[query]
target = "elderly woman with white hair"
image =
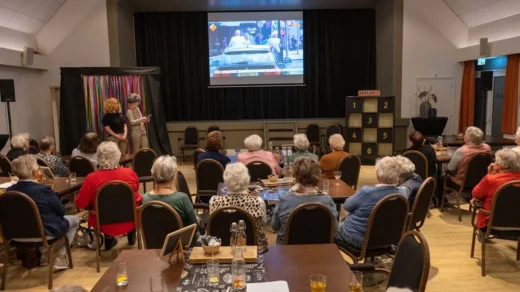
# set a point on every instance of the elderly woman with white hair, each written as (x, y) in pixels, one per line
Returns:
(302, 148)
(329, 162)
(254, 152)
(108, 155)
(352, 230)
(409, 180)
(505, 169)
(236, 178)
(19, 146)
(307, 175)
(137, 123)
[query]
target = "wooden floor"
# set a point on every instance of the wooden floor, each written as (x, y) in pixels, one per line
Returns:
(451, 267)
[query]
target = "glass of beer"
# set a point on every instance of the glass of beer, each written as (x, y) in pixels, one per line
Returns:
(156, 283)
(121, 275)
(356, 282)
(318, 283)
(213, 272)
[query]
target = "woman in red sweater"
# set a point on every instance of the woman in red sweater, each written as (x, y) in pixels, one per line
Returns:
(108, 156)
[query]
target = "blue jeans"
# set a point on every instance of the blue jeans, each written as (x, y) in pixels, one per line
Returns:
(339, 236)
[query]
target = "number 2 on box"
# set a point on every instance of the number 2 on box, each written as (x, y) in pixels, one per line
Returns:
(385, 105)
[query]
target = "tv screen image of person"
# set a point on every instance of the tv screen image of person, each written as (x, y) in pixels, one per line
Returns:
(255, 48)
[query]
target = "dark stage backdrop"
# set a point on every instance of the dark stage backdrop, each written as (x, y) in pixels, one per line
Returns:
(339, 60)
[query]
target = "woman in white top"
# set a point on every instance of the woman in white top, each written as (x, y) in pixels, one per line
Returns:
(88, 147)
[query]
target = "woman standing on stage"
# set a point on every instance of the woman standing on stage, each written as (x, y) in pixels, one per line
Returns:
(137, 123)
(114, 124)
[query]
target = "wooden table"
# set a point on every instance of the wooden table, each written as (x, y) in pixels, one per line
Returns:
(125, 159)
(59, 185)
(491, 141)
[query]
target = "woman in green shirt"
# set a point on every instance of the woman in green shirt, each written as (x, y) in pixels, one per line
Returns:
(302, 148)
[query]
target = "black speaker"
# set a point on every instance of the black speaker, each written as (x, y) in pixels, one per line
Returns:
(7, 90)
(486, 80)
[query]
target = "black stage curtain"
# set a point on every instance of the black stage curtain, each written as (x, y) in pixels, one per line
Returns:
(339, 60)
(72, 106)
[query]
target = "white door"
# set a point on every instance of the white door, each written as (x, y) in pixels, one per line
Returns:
(443, 88)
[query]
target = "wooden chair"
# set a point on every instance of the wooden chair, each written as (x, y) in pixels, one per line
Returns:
(115, 203)
(258, 170)
(385, 227)
(5, 166)
(421, 204)
(196, 154)
(477, 168)
(157, 220)
(503, 221)
(209, 173)
(220, 221)
(191, 141)
(20, 218)
(310, 223)
(142, 165)
(81, 166)
(350, 167)
(420, 161)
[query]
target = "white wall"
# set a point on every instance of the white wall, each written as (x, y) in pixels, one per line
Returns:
(15, 40)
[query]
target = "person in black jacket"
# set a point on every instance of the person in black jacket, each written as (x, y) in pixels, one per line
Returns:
(418, 143)
(52, 212)
(19, 146)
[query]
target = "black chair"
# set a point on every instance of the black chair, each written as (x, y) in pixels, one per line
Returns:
(5, 166)
(158, 219)
(41, 162)
(33, 150)
(220, 221)
(331, 130)
(81, 166)
(142, 164)
(504, 221)
(196, 154)
(420, 161)
(35, 144)
(310, 223)
(213, 128)
(350, 167)
(477, 168)
(20, 218)
(209, 173)
(115, 203)
(313, 135)
(191, 141)
(259, 170)
(385, 227)
(182, 186)
(421, 204)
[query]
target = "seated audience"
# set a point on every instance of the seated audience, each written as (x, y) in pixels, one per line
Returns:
(236, 178)
(254, 152)
(505, 169)
(163, 173)
(517, 141)
(108, 155)
(19, 146)
(352, 230)
(88, 147)
(52, 212)
(409, 180)
(329, 162)
(307, 175)
(213, 145)
(302, 148)
(54, 162)
(418, 143)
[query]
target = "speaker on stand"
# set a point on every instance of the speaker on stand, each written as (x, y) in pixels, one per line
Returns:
(7, 95)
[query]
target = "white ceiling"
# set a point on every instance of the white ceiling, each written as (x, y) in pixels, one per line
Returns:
(477, 12)
(28, 16)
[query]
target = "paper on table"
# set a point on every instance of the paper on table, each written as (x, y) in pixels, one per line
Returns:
(278, 286)
(6, 185)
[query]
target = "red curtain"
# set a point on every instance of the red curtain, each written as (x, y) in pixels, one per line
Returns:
(509, 112)
(467, 97)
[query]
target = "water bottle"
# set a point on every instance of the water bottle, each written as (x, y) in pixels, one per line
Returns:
(242, 238)
(233, 239)
(238, 271)
(270, 147)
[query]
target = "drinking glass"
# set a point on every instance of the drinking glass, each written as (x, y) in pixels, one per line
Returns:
(14, 178)
(356, 282)
(318, 283)
(156, 283)
(337, 175)
(325, 186)
(72, 177)
(213, 272)
(121, 275)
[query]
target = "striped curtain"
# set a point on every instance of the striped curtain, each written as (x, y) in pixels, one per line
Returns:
(97, 89)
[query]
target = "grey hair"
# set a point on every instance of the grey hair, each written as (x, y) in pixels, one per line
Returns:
(19, 140)
(337, 142)
(108, 154)
(301, 142)
(236, 177)
(508, 159)
(24, 166)
(69, 289)
(253, 143)
(388, 170)
(164, 169)
(474, 135)
(133, 98)
(407, 167)
(307, 171)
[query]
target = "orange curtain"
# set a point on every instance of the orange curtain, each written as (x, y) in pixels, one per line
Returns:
(467, 97)
(510, 95)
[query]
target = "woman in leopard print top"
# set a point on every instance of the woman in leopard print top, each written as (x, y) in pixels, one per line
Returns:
(236, 178)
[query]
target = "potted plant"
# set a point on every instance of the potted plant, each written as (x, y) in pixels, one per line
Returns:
(425, 96)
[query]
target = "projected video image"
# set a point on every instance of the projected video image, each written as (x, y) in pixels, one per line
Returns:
(255, 48)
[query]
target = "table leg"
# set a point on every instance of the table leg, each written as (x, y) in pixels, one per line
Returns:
(440, 184)
(338, 208)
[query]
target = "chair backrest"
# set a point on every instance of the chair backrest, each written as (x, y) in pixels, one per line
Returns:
(196, 154)
(310, 223)
(20, 217)
(350, 166)
(421, 204)
(209, 173)
(420, 161)
(81, 166)
(504, 212)
(5, 165)
(411, 264)
(158, 219)
(313, 133)
(33, 150)
(181, 184)
(41, 162)
(259, 170)
(143, 161)
(191, 136)
(386, 223)
(476, 169)
(115, 203)
(220, 220)
(331, 130)
(213, 128)
(35, 144)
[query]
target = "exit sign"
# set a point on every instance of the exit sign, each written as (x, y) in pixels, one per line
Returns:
(481, 61)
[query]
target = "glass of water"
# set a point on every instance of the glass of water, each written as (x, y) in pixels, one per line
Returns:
(72, 177)
(121, 275)
(337, 175)
(213, 272)
(156, 283)
(325, 186)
